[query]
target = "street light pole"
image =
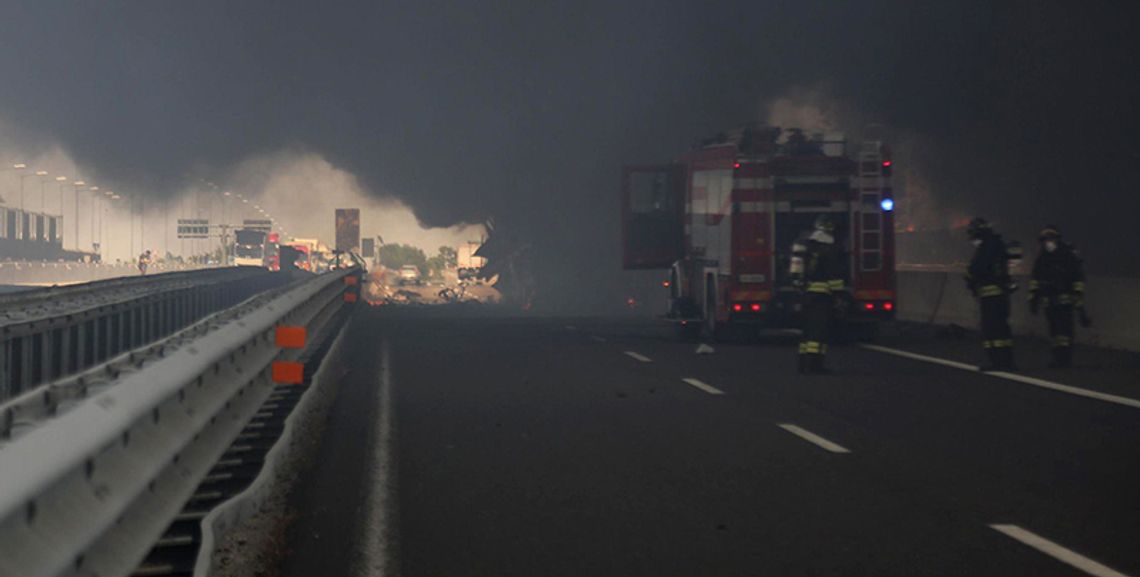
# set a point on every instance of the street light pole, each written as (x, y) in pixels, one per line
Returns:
(43, 178)
(131, 220)
(111, 230)
(59, 225)
(27, 224)
(75, 187)
(109, 195)
(21, 167)
(94, 207)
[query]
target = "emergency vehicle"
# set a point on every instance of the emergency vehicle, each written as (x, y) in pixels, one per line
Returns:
(724, 216)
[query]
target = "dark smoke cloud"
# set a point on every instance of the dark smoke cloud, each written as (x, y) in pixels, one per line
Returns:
(525, 111)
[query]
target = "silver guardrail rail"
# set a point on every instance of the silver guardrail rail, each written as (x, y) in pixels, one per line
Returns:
(46, 334)
(95, 467)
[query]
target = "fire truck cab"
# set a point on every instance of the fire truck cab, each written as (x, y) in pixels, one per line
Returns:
(723, 218)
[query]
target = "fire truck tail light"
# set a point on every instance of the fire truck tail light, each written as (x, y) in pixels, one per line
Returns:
(736, 165)
(886, 163)
(869, 306)
(737, 307)
(756, 307)
(888, 306)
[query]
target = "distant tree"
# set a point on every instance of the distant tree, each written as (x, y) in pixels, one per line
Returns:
(435, 266)
(397, 255)
(449, 255)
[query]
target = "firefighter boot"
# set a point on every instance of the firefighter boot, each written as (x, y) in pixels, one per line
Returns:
(1006, 354)
(804, 363)
(1062, 358)
(994, 358)
(818, 365)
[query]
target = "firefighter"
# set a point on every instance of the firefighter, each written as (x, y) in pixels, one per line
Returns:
(816, 269)
(988, 278)
(1058, 284)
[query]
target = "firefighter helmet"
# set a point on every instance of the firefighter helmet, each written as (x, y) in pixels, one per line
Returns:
(1050, 232)
(978, 228)
(824, 223)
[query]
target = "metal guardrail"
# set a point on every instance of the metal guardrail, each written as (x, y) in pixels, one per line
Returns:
(55, 272)
(62, 291)
(47, 334)
(89, 483)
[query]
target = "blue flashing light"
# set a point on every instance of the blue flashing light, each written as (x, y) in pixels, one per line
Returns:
(888, 204)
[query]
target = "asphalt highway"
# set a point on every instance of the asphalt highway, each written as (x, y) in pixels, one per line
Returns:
(479, 445)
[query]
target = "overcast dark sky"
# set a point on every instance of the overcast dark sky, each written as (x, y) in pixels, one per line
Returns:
(525, 110)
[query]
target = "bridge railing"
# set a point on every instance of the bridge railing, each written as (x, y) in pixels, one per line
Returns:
(90, 478)
(46, 334)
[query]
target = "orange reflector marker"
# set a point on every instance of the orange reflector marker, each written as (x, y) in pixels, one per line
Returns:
(288, 372)
(349, 297)
(351, 280)
(291, 337)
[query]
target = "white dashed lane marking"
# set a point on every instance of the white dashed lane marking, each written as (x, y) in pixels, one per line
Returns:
(813, 438)
(703, 386)
(1058, 552)
(638, 356)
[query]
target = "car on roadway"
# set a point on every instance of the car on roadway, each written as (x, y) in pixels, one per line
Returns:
(410, 274)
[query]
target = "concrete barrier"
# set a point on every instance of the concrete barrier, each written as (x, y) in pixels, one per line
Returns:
(940, 297)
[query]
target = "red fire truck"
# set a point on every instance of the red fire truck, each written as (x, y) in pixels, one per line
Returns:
(724, 216)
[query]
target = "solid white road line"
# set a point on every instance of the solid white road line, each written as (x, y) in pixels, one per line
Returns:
(918, 357)
(1089, 394)
(1057, 551)
(639, 357)
(598, 339)
(703, 386)
(1126, 401)
(813, 438)
(571, 328)
(375, 559)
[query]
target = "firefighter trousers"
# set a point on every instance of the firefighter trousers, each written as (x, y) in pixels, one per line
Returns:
(1061, 330)
(817, 311)
(997, 337)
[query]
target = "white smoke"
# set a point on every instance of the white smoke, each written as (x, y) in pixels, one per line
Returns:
(302, 190)
(807, 109)
(21, 188)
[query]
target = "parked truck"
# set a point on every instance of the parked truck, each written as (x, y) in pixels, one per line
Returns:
(250, 247)
(722, 219)
(468, 265)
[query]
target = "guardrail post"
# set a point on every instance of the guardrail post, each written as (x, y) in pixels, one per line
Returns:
(115, 333)
(5, 368)
(106, 341)
(147, 310)
(75, 344)
(25, 375)
(153, 320)
(137, 326)
(42, 351)
(90, 342)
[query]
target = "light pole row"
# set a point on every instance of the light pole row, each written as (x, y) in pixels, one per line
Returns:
(99, 204)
